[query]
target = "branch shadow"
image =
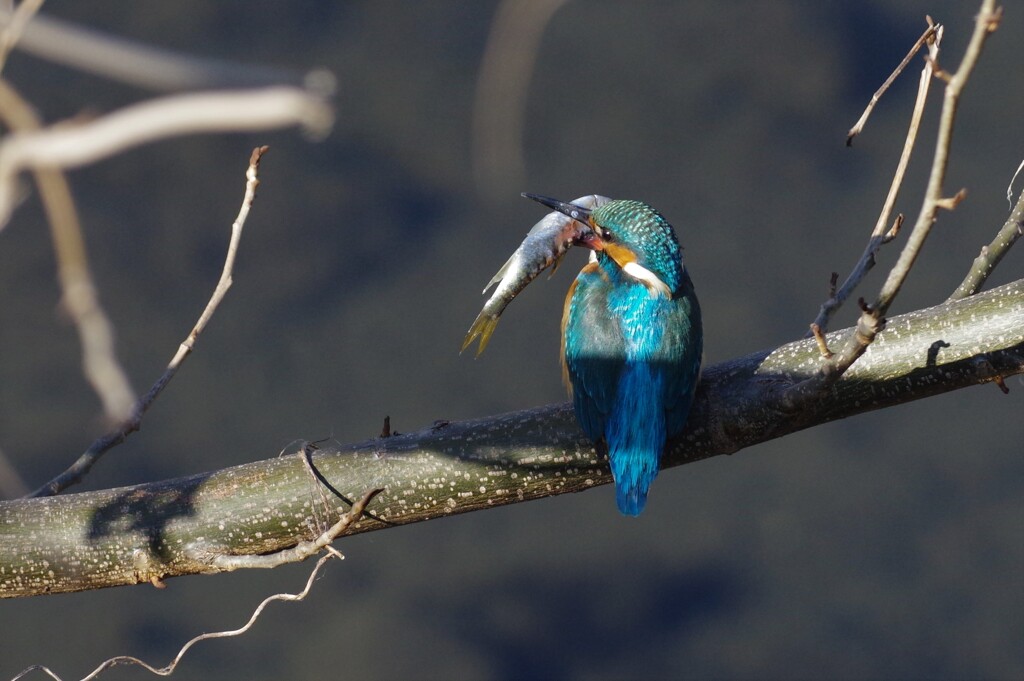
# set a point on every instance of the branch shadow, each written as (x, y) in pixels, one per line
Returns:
(147, 510)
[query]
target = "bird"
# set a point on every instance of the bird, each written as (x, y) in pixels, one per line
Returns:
(632, 340)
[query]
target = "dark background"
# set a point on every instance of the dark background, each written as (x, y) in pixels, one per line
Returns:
(890, 545)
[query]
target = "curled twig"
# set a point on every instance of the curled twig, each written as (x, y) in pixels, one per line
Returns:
(299, 553)
(1009, 187)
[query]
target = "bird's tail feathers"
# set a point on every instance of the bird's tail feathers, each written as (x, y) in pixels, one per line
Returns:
(631, 499)
(634, 470)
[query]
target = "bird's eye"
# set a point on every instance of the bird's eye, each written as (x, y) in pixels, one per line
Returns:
(606, 235)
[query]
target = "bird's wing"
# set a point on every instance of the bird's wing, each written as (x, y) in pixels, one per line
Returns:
(684, 340)
(592, 350)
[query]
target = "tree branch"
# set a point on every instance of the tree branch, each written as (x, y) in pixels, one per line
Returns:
(872, 319)
(186, 526)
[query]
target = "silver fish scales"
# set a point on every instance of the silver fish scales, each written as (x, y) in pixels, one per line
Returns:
(544, 245)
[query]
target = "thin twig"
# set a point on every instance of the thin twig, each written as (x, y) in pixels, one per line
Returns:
(307, 457)
(1009, 187)
(288, 556)
(872, 319)
(987, 22)
(991, 254)
(71, 145)
(79, 298)
(858, 127)
(306, 452)
(879, 235)
(80, 468)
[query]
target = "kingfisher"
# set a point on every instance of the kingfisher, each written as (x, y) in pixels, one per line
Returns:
(632, 339)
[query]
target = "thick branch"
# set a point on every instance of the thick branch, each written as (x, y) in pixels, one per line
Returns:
(183, 526)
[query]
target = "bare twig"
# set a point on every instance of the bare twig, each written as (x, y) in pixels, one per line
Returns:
(872, 319)
(117, 58)
(879, 235)
(14, 25)
(85, 462)
(926, 37)
(301, 552)
(99, 361)
(991, 254)
(1009, 187)
(70, 146)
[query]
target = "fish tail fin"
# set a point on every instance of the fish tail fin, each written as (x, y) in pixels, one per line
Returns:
(483, 326)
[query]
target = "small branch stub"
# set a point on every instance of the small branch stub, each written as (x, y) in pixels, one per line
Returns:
(819, 337)
(952, 202)
(894, 230)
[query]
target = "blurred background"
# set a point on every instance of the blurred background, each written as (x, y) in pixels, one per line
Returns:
(890, 545)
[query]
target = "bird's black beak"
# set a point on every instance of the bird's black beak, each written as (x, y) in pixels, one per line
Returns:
(578, 213)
